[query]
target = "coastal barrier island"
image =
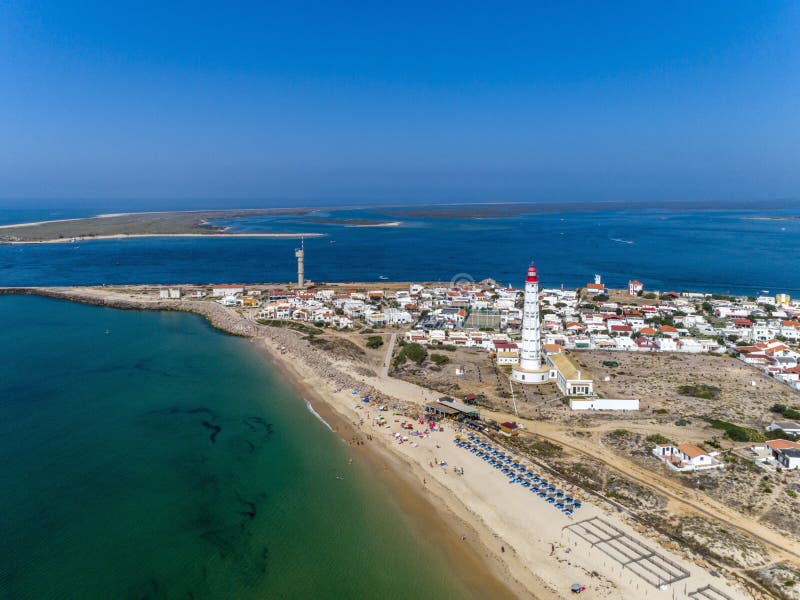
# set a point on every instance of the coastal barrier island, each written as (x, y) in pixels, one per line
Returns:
(148, 224)
(701, 530)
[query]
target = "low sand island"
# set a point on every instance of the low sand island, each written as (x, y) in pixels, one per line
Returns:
(150, 224)
(503, 539)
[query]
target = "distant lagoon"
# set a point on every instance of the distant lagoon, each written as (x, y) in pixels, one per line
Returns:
(668, 248)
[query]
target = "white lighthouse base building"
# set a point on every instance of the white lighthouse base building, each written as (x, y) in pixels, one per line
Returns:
(540, 375)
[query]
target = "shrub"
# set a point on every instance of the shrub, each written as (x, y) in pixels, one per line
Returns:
(657, 438)
(700, 390)
(737, 433)
(440, 359)
(374, 341)
(411, 351)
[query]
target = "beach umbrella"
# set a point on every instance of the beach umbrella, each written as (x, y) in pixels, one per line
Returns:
(576, 588)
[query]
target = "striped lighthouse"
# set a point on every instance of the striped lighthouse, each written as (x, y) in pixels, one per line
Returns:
(530, 368)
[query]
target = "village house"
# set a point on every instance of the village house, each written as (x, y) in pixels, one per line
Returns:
(635, 287)
(506, 353)
(787, 453)
(686, 457)
(220, 291)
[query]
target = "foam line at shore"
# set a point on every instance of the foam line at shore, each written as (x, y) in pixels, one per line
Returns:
(316, 414)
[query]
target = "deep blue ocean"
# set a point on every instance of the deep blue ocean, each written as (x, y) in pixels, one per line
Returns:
(668, 248)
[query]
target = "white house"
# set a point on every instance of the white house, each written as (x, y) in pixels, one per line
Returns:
(686, 457)
(220, 291)
(790, 427)
(785, 452)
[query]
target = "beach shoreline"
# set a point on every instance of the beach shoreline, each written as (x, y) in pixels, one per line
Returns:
(519, 541)
(426, 508)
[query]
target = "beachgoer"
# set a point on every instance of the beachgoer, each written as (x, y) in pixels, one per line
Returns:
(502, 548)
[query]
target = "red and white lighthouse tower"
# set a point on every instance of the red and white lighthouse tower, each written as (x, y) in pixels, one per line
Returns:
(530, 368)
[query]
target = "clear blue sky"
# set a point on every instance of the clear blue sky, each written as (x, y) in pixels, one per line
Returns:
(400, 101)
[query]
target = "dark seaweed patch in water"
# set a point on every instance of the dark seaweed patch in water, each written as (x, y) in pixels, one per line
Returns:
(250, 507)
(177, 410)
(215, 429)
(219, 541)
(264, 559)
(258, 424)
(149, 590)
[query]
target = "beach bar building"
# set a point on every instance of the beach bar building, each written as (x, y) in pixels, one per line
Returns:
(449, 407)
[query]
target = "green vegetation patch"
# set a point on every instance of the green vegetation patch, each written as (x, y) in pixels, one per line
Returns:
(737, 433)
(413, 352)
(657, 438)
(440, 359)
(374, 341)
(788, 412)
(700, 390)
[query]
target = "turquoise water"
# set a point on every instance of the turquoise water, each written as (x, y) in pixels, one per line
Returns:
(163, 460)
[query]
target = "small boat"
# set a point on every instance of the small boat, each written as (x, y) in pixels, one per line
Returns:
(383, 277)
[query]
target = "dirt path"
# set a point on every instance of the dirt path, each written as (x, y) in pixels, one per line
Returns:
(681, 497)
(388, 360)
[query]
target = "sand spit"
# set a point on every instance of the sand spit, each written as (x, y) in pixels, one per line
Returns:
(514, 542)
(118, 236)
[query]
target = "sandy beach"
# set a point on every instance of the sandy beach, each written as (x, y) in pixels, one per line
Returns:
(515, 542)
(521, 537)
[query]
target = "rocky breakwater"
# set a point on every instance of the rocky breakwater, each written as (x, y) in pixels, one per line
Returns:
(216, 314)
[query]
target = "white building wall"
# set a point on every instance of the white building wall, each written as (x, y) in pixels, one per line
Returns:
(604, 404)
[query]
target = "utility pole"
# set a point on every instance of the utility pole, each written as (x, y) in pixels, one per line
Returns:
(513, 400)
